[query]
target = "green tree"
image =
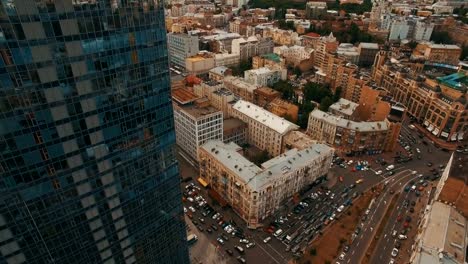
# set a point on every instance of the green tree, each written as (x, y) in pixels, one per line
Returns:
(337, 94)
(315, 92)
(441, 37)
(464, 53)
(325, 103)
(260, 158)
(304, 110)
(285, 88)
(313, 251)
(297, 71)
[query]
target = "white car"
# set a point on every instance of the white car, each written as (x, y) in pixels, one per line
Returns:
(190, 199)
(414, 172)
(332, 217)
(392, 261)
(378, 172)
(245, 241)
(250, 245)
(341, 257)
(340, 209)
(220, 240)
(192, 209)
(266, 240)
(418, 151)
(185, 210)
(394, 252)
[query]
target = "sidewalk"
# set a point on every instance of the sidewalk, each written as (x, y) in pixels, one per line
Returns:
(440, 142)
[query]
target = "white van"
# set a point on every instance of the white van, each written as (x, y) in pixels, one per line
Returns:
(278, 232)
(402, 237)
(390, 167)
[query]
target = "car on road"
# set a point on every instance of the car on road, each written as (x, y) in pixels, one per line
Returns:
(402, 237)
(390, 167)
(346, 248)
(239, 249)
(250, 245)
(359, 181)
(266, 240)
(340, 178)
(192, 209)
(392, 261)
(394, 252)
(230, 252)
(378, 172)
(241, 259)
(220, 241)
(429, 164)
(244, 241)
(342, 256)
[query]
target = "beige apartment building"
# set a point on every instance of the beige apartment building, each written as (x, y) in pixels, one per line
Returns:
(352, 136)
(254, 192)
(265, 129)
(439, 104)
(240, 87)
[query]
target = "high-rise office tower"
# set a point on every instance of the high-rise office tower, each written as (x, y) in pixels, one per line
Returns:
(87, 168)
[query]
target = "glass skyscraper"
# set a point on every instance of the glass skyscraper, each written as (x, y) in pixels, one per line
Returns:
(88, 172)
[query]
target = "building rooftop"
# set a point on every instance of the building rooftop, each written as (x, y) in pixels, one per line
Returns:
(223, 92)
(443, 239)
(198, 111)
(342, 122)
(312, 35)
(259, 178)
(265, 117)
(183, 96)
(220, 70)
(262, 70)
(367, 45)
(298, 139)
(457, 81)
(443, 46)
(272, 56)
(240, 83)
(344, 106)
(267, 91)
(455, 190)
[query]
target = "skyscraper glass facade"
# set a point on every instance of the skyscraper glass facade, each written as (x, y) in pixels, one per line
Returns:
(87, 166)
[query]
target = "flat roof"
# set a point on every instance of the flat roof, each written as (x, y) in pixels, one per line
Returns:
(240, 83)
(344, 106)
(198, 111)
(265, 117)
(455, 189)
(298, 139)
(259, 178)
(367, 45)
(456, 80)
(220, 70)
(345, 123)
(443, 235)
(183, 96)
(272, 56)
(444, 46)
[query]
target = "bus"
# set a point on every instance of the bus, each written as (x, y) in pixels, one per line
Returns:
(191, 239)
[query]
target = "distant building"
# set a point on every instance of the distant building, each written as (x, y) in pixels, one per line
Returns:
(410, 28)
(240, 87)
(195, 121)
(250, 47)
(200, 63)
(315, 10)
(442, 54)
(270, 60)
(294, 55)
(281, 36)
(367, 52)
(254, 192)
(262, 76)
(181, 46)
(343, 108)
(349, 52)
(219, 73)
(265, 129)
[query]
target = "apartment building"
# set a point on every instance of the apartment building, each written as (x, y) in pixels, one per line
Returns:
(343, 108)
(254, 192)
(262, 76)
(325, 45)
(265, 129)
(270, 60)
(252, 46)
(316, 10)
(195, 121)
(439, 104)
(283, 109)
(297, 140)
(410, 28)
(219, 73)
(281, 36)
(349, 52)
(294, 55)
(349, 136)
(367, 52)
(442, 54)
(200, 64)
(264, 95)
(240, 87)
(181, 46)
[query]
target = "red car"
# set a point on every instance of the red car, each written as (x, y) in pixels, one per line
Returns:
(341, 178)
(399, 218)
(406, 224)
